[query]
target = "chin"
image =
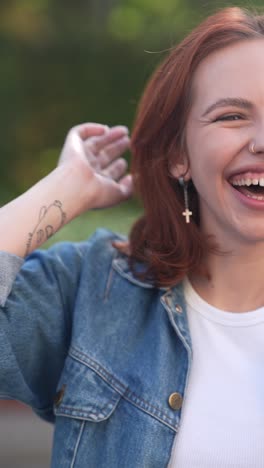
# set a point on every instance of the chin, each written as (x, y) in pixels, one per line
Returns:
(253, 236)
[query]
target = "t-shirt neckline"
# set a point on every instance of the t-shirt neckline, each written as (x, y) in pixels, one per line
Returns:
(214, 314)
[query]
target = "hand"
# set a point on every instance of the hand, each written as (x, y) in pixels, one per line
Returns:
(96, 149)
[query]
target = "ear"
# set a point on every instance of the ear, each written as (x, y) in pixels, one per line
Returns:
(181, 170)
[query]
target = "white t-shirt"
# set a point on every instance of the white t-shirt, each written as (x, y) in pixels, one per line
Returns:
(222, 424)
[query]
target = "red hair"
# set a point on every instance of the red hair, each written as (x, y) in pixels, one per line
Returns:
(161, 239)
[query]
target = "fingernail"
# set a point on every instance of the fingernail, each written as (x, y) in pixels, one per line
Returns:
(124, 128)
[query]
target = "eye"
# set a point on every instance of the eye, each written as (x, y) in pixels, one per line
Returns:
(229, 118)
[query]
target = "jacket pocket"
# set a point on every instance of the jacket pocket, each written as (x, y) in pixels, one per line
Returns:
(84, 394)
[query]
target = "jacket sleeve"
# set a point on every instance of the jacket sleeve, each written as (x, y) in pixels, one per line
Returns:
(37, 298)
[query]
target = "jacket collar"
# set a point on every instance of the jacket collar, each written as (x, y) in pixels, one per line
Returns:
(173, 298)
(121, 265)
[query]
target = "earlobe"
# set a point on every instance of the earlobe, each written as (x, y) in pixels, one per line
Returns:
(180, 167)
(181, 170)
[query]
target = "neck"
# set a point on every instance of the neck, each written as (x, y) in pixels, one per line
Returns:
(236, 280)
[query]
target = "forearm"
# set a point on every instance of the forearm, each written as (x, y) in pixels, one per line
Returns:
(29, 220)
(90, 174)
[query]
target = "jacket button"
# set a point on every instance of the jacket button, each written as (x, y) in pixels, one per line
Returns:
(175, 401)
(59, 396)
(178, 308)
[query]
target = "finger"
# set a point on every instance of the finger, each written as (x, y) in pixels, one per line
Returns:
(126, 185)
(97, 144)
(115, 192)
(116, 169)
(113, 151)
(88, 130)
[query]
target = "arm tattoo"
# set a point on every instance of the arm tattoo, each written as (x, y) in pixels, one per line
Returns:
(43, 231)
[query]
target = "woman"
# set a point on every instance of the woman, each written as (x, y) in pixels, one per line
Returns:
(150, 353)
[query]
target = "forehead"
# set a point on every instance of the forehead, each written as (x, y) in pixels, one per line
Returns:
(237, 70)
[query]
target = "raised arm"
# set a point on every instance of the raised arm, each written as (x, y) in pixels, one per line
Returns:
(90, 174)
(37, 304)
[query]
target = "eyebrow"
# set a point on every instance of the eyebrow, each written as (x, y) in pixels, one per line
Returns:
(235, 102)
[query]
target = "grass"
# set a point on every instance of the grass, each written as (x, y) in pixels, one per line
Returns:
(118, 219)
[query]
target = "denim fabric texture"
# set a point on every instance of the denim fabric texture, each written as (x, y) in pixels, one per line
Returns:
(97, 352)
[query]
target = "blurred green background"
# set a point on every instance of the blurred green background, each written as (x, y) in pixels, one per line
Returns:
(65, 62)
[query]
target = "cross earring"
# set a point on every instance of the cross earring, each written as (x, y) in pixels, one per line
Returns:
(187, 213)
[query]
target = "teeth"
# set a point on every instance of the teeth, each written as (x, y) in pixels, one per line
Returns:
(248, 182)
(256, 197)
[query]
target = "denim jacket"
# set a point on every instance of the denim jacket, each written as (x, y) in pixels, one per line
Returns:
(96, 351)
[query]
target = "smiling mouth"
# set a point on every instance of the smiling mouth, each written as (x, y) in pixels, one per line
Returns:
(252, 187)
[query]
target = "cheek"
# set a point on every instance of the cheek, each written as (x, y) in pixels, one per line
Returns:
(211, 152)
(205, 160)
(207, 165)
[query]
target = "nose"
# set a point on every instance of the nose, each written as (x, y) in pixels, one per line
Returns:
(256, 145)
(256, 148)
